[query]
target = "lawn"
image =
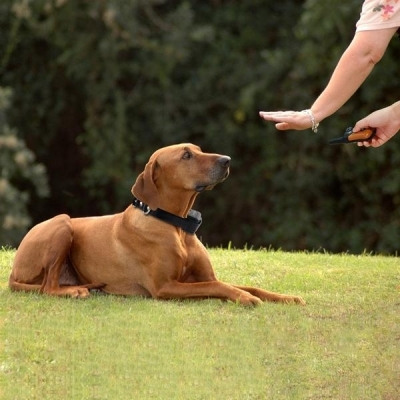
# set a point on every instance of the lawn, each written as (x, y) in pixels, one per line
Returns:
(344, 344)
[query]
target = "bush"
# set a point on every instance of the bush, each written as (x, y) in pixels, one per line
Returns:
(20, 176)
(98, 86)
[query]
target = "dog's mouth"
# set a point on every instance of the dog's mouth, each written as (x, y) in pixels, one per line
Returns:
(217, 174)
(209, 186)
(201, 188)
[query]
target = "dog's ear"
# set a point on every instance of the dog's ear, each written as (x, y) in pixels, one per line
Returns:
(145, 188)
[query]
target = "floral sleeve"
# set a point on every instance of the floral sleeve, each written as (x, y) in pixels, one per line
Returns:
(379, 14)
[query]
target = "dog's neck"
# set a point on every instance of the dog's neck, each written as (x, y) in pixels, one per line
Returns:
(181, 207)
(189, 224)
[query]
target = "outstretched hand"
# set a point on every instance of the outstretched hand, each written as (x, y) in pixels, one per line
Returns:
(285, 120)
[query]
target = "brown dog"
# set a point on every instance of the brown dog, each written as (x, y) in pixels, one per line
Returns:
(139, 251)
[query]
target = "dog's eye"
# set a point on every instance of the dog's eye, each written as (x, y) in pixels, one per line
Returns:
(187, 155)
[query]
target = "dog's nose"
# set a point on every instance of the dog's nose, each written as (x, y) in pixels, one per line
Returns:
(224, 161)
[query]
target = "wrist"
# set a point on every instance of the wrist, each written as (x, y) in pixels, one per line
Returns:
(396, 113)
(396, 110)
(314, 122)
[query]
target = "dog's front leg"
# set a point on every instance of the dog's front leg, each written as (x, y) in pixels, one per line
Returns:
(212, 289)
(272, 296)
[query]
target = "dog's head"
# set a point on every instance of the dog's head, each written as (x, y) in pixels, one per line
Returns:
(179, 170)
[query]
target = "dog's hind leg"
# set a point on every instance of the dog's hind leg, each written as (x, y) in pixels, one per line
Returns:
(41, 256)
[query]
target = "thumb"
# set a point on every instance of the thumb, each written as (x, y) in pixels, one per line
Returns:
(282, 126)
(361, 124)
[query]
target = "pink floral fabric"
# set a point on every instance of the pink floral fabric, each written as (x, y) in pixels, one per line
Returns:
(379, 14)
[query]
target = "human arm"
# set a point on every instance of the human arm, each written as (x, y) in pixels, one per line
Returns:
(356, 63)
(387, 124)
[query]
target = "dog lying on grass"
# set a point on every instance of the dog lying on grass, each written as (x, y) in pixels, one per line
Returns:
(149, 250)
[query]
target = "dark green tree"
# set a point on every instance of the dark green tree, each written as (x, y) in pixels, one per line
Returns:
(98, 86)
(20, 177)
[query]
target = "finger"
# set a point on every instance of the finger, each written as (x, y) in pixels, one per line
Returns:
(276, 115)
(270, 116)
(376, 142)
(282, 126)
(262, 113)
(362, 124)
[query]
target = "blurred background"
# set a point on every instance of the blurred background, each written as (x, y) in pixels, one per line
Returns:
(89, 89)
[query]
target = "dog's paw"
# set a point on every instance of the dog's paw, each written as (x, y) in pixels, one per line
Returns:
(249, 300)
(76, 292)
(79, 293)
(294, 300)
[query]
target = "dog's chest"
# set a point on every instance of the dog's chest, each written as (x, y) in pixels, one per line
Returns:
(186, 268)
(186, 275)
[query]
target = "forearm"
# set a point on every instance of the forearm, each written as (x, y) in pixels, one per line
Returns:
(348, 76)
(356, 63)
(395, 108)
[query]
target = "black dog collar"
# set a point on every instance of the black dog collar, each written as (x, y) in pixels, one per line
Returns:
(190, 224)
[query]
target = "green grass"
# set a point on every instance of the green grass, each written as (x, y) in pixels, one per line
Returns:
(345, 344)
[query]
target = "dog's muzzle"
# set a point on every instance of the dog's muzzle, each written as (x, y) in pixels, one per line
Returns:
(217, 174)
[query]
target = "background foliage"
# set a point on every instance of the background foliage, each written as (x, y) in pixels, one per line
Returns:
(20, 178)
(98, 86)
